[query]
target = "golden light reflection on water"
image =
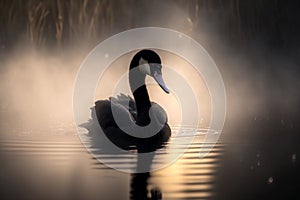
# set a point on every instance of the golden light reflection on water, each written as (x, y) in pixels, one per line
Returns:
(190, 176)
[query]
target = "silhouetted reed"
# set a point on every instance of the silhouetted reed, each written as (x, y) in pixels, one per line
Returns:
(60, 23)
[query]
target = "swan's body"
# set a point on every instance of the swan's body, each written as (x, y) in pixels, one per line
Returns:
(136, 111)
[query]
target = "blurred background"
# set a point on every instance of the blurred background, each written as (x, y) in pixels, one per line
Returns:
(254, 43)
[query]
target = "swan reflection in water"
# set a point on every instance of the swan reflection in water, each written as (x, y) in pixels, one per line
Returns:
(99, 147)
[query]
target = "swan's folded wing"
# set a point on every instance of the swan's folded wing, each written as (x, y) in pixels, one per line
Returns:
(126, 101)
(104, 111)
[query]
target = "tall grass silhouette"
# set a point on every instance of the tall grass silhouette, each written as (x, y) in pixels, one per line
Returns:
(60, 23)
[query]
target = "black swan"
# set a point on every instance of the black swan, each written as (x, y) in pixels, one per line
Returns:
(140, 111)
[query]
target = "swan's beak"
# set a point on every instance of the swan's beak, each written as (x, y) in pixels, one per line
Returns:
(158, 77)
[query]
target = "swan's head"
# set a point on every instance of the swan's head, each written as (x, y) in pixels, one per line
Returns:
(149, 63)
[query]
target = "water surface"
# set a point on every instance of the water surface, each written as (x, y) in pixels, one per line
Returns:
(59, 167)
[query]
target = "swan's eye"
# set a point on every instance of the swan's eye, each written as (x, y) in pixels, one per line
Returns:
(155, 67)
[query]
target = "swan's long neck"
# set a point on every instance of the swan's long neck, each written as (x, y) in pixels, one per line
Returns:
(141, 97)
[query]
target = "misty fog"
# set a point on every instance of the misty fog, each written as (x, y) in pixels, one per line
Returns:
(37, 83)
